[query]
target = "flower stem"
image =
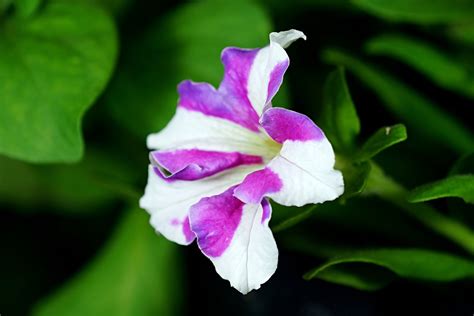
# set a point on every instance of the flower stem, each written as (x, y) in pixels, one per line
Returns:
(388, 189)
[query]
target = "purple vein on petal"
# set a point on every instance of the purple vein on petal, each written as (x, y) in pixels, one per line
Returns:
(195, 164)
(214, 220)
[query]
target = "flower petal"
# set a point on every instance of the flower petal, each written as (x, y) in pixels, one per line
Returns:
(194, 164)
(259, 82)
(306, 170)
(168, 201)
(257, 185)
(223, 103)
(282, 124)
(251, 78)
(303, 172)
(237, 239)
(195, 130)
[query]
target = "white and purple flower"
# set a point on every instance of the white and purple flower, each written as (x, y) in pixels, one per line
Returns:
(225, 153)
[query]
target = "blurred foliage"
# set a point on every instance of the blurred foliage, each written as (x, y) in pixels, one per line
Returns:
(408, 263)
(461, 186)
(390, 82)
(125, 278)
(188, 46)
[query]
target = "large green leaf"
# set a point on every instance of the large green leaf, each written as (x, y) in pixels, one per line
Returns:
(461, 186)
(416, 264)
(421, 11)
(442, 69)
(52, 68)
(184, 45)
(409, 105)
(380, 140)
(136, 273)
(339, 117)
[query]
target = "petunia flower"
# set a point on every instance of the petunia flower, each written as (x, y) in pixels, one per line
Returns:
(225, 153)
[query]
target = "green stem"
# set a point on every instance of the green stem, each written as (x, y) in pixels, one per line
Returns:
(388, 189)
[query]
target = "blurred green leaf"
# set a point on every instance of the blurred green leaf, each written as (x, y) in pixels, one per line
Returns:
(457, 207)
(355, 176)
(463, 32)
(52, 68)
(81, 188)
(25, 8)
(136, 273)
(463, 165)
(385, 187)
(184, 45)
(444, 70)
(421, 11)
(361, 216)
(380, 140)
(115, 7)
(339, 117)
(416, 264)
(284, 217)
(361, 276)
(408, 104)
(461, 186)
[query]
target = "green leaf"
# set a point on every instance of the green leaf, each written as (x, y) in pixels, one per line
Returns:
(52, 68)
(339, 118)
(463, 165)
(421, 11)
(444, 70)
(461, 186)
(117, 8)
(408, 104)
(355, 175)
(381, 140)
(25, 8)
(185, 45)
(361, 276)
(416, 264)
(284, 217)
(463, 32)
(136, 273)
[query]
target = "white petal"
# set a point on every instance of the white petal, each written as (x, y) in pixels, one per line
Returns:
(236, 238)
(168, 201)
(285, 38)
(266, 73)
(306, 171)
(191, 129)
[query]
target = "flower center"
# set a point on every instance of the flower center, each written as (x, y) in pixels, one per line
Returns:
(270, 148)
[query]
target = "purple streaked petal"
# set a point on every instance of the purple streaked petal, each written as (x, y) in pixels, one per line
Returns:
(224, 103)
(236, 238)
(282, 125)
(214, 220)
(169, 201)
(193, 164)
(267, 210)
(251, 78)
(187, 232)
(276, 78)
(257, 185)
